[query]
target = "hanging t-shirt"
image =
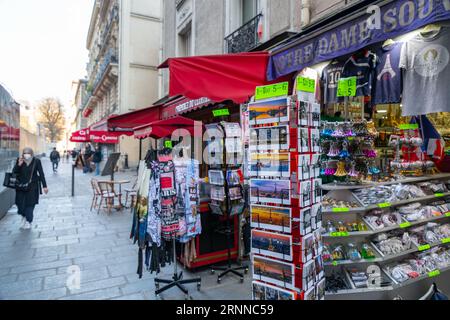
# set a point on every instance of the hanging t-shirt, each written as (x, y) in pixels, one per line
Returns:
(330, 78)
(388, 81)
(361, 66)
(426, 74)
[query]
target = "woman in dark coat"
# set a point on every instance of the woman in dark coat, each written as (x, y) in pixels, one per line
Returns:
(28, 166)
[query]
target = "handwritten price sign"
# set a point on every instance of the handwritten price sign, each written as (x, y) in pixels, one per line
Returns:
(272, 91)
(347, 87)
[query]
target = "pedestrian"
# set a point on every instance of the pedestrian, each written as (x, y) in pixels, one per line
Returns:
(29, 171)
(67, 156)
(96, 159)
(54, 158)
(87, 158)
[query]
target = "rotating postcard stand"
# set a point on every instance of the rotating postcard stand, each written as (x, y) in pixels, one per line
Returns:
(228, 209)
(177, 278)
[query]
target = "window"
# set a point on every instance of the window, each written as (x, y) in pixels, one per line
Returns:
(185, 42)
(249, 10)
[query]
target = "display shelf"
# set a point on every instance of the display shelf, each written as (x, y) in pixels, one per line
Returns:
(397, 285)
(333, 186)
(347, 234)
(359, 291)
(348, 262)
(392, 204)
(410, 224)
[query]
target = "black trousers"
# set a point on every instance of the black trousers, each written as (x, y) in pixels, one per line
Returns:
(27, 212)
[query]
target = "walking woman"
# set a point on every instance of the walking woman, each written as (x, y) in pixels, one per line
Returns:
(28, 168)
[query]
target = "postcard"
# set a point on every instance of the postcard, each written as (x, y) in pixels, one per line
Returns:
(217, 193)
(269, 138)
(320, 290)
(305, 190)
(216, 177)
(233, 145)
(303, 113)
(270, 165)
(270, 191)
(315, 115)
(271, 218)
(264, 291)
(272, 244)
(237, 208)
(315, 140)
(318, 263)
(315, 166)
(317, 190)
(308, 275)
(303, 140)
(304, 167)
(310, 294)
(274, 272)
(305, 221)
(316, 221)
(269, 111)
(235, 193)
(233, 177)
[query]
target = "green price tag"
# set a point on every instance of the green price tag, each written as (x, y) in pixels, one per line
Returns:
(334, 263)
(168, 144)
(347, 87)
(384, 205)
(424, 247)
(408, 126)
(272, 91)
(339, 234)
(221, 112)
(405, 225)
(306, 84)
(445, 240)
(341, 209)
(438, 195)
(434, 273)
(447, 214)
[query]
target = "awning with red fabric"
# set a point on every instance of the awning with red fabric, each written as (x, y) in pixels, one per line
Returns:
(103, 128)
(218, 77)
(81, 136)
(128, 121)
(9, 133)
(165, 128)
(183, 105)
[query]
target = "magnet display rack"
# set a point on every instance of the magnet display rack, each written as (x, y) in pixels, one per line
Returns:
(285, 196)
(223, 177)
(409, 289)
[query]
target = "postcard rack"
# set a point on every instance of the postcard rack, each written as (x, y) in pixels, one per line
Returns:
(225, 177)
(285, 200)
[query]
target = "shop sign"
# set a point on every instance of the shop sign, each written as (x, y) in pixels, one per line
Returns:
(105, 139)
(347, 87)
(191, 104)
(377, 25)
(272, 91)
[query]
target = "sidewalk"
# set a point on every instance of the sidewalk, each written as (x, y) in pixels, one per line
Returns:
(36, 264)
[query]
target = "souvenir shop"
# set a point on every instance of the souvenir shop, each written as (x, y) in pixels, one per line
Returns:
(350, 182)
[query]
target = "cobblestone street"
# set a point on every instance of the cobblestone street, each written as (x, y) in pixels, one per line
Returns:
(34, 264)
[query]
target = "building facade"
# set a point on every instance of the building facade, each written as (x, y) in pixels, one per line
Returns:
(124, 44)
(203, 27)
(32, 133)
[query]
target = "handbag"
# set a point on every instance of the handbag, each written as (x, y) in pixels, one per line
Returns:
(10, 180)
(25, 187)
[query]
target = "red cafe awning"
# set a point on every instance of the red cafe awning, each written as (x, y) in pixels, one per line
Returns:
(165, 128)
(217, 77)
(80, 136)
(128, 121)
(183, 105)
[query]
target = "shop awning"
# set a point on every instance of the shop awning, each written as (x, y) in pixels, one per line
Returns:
(165, 128)
(128, 121)
(81, 136)
(217, 77)
(183, 105)
(9, 133)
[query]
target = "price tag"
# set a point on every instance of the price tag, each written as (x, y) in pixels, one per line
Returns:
(272, 91)
(221, 112)
(384, 205)
(339, 234)
(405, 225)
(408, 126)
(434, 273)
(341, 209)
(445, 240)
(424, 247)
(447, 214)
(347, 87)
(168, 144)
(334, 263)
(306, 84)
(438, 195)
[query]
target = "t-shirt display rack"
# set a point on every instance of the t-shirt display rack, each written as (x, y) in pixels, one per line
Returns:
(224, 175)
(285, 196)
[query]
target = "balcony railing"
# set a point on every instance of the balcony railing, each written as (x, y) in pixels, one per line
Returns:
(245, 38)
(109, 58)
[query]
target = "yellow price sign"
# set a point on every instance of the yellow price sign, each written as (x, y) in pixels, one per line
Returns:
(272, 91)
(347, 87)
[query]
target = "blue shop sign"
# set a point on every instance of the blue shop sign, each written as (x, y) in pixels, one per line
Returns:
(381, 23)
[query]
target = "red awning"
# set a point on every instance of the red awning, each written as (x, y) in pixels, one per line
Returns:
(129, 121)
(165, 128)
(183, 105)
(81, 136)
(9, 133)
(218, 77)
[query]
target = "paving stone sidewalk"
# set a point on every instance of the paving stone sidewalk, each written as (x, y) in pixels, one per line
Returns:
(37, 263)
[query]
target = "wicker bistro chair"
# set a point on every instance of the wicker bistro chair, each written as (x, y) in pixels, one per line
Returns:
(131, 193)
(106, 193)
(96, 193)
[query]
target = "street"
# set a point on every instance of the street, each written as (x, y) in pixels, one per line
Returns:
(66, 236)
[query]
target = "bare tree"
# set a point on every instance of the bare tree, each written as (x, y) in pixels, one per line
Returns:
(51, 116)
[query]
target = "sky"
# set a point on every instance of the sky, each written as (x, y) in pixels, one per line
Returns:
(43, 47)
